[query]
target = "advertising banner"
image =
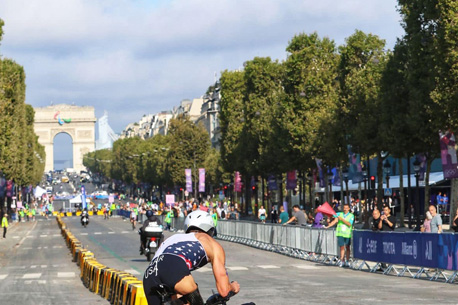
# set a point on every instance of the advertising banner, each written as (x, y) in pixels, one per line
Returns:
(202, 180)
(2, 187)
(319, 165)
(291, 180)
(9, 188)
(448, 154)
(187, 173)
(410, 248)
(336, 181)
(272, 183)
(355, 171)
(170, 199)
(83, 197)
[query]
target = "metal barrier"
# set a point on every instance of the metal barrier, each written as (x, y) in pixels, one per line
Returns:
(298, 241)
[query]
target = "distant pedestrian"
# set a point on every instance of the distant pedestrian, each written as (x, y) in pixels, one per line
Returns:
(344, 221)
(387, 221)
(436, 222)
(299, 216)
(262, 214)
(5, 224)
(283, 215)
(426, 227)
(375, 220)
(273, 215)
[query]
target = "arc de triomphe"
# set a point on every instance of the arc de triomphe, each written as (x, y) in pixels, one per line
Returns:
(78, 122)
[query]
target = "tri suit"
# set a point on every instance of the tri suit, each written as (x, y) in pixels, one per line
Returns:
(176, 258)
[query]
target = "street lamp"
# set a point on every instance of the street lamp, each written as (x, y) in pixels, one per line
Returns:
(345, 176)
(416, 168)
(387, 171)
(309, 179)
(330, 176)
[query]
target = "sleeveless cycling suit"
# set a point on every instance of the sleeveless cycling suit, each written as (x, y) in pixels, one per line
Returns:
(176, 258)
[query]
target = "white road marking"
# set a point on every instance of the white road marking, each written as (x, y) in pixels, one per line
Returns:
(45, 247)
(111, 232)
(98, 233)
(132, 271)
(57, 247)
(84, 233)
(237, 268)
(31, 276)
(43, 235)
(39, 248)
(29, 237)
(124, 232)
(65, 274)
(42, 282)
(56, 235)
(26, 248)
(268, 267)
(44, 266)
(33, 267)
(3, 276)
(55, 266)
(16, 237)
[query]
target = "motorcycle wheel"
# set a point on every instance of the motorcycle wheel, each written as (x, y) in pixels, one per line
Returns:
(149, 256)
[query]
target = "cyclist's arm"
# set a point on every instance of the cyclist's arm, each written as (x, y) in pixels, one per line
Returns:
(219, 271)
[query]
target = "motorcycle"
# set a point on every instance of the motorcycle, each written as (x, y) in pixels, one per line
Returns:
(84, 220)
(154, 238)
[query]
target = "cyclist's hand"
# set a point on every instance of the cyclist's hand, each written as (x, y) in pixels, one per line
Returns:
(235, 287)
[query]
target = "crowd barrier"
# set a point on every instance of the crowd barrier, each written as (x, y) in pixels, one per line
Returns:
(116, 286)
(427, 251)
(297, 241)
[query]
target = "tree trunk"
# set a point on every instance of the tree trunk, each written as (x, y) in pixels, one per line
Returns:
(401, 192)
(380, 181)
(429, 161)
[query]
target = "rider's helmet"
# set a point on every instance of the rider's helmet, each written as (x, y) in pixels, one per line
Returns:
(199, 220)
(149, 213)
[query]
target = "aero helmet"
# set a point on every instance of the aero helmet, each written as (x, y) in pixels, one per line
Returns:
(199, 220)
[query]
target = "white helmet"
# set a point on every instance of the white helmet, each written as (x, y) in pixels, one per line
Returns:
(199, 220)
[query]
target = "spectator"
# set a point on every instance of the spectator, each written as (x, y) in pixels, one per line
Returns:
(387, 221)
(375, 221)
(344, 221)
(436, 222)
(439, 198)
(299, 216)
(273, 215)
(426, 227)
(262, 214)
(455, 221)
(233, 214)
(283, 215)
(317, 220)
(5, 224)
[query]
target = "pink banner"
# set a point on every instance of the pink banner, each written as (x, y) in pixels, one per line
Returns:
(202, 180)
(187, 173)
(291, 180)
(238, 182)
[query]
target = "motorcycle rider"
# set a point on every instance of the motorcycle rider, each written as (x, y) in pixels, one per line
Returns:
(154, 220)
(182, 253)
(84, 214)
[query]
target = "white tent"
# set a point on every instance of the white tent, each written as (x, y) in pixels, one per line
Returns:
(39, 191)
(77, 199)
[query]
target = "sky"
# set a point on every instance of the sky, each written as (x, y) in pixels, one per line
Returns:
(136, 57)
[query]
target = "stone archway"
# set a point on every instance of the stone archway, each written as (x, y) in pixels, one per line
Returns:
(78, 122)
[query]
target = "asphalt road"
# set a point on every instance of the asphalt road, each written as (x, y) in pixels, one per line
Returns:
(265, 277)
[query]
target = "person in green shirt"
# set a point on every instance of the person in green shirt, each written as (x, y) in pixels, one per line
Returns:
(284, 217)
(344, 221)
(168, 219)
(5, 224)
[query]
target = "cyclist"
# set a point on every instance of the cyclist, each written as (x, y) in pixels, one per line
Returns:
(171, 267)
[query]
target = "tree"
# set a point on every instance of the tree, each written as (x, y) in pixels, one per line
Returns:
(362, 62)
(189, 146)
